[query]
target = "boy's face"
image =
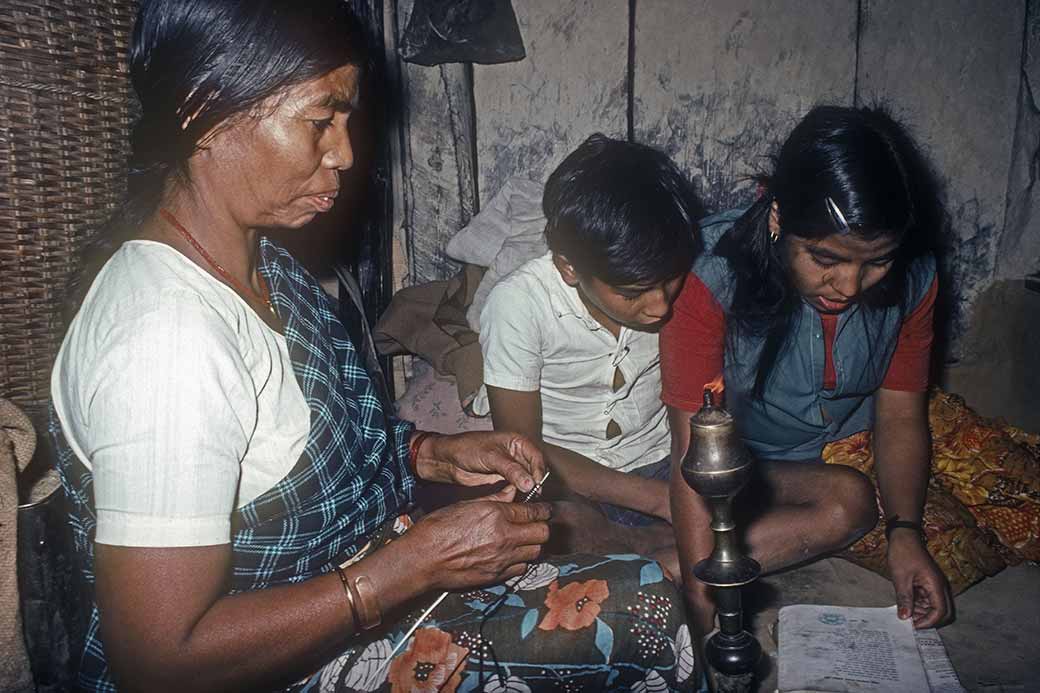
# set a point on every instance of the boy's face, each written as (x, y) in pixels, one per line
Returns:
(645, 308)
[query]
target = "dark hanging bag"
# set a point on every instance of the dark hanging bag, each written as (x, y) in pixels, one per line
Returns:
(460, 31)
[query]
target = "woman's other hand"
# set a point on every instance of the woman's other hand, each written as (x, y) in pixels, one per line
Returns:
(481, 458)
(922, 592)
(479, 542)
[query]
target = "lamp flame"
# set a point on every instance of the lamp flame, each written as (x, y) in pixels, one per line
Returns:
(717, 387)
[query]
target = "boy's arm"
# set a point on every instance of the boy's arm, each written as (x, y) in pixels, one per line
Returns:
(521, 412)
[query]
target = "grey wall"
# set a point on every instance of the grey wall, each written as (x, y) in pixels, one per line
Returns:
(717, 83)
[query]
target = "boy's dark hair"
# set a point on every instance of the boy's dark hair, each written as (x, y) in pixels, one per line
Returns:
(622, 212)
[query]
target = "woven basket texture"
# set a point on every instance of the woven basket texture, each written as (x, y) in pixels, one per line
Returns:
(64, 132)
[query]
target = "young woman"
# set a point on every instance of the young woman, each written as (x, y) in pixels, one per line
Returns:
(814, 306)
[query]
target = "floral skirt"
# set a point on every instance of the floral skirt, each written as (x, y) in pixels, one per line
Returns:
(983, 507)
(571, 623)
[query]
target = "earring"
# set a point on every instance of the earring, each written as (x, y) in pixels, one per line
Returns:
(773, 223)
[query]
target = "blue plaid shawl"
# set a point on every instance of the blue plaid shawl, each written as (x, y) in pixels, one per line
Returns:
(350, 479)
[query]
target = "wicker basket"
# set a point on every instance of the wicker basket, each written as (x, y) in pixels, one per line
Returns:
(64, 127)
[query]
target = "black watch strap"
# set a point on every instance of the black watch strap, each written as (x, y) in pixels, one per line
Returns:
(895, 523)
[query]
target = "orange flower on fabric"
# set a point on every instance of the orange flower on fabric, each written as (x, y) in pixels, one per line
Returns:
(974, 436)
(431, 663)
(575, 606)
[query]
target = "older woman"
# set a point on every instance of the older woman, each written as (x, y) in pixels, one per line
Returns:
(238, 489)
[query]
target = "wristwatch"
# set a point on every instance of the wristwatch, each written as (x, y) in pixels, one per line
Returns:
(894, 522)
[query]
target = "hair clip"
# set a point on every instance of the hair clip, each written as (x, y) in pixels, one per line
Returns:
(837, 218)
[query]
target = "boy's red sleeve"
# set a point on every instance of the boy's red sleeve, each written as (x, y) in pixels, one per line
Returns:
(908, 370)
(692, 346)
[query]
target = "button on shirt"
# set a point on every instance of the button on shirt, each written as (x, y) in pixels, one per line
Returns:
(537, 335)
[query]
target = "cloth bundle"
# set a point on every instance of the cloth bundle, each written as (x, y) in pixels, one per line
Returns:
(508, 232)
(429, 320)
(17, 444)
(440, 321)
(983, 508)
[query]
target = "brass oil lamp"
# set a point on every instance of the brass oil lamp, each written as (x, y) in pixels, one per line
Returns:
(717, 465)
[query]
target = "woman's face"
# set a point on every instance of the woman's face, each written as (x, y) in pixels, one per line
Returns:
(832, 272)
(279, 167)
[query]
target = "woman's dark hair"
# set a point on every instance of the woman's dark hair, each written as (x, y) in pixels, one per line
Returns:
(194, 65)
(867, 163)
(622, 212)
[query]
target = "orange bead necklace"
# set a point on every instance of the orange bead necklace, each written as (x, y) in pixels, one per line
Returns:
(264, 296)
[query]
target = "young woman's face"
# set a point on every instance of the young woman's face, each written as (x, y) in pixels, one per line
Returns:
(832, 272)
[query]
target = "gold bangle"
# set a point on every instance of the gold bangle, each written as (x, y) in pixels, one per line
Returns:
(350, 597)
(367, 600)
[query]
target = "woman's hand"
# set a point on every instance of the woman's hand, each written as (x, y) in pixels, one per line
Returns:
(479, 542)
(922, 591)
(481, 458)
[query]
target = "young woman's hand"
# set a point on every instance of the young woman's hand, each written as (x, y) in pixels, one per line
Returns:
(481, 458)
(478, 542)
(922, 592)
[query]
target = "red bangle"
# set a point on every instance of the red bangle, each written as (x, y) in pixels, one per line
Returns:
(413, 450)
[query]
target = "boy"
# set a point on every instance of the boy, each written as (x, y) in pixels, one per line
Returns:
(570, 341)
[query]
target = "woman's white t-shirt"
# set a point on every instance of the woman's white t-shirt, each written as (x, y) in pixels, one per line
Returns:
(180, 400)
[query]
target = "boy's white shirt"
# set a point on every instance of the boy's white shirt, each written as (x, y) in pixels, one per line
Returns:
(537, 335)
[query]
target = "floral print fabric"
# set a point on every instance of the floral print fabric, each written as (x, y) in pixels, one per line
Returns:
(983, 507)
(571, 623)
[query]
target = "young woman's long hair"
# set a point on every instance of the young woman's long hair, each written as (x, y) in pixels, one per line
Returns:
(867, 163)
(196, 64)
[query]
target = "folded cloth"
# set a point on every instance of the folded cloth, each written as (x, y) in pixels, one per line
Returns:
(17, 443)
(983, 507)
(440, 321)
(508, 231)
(479, 241)
(429, 320)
